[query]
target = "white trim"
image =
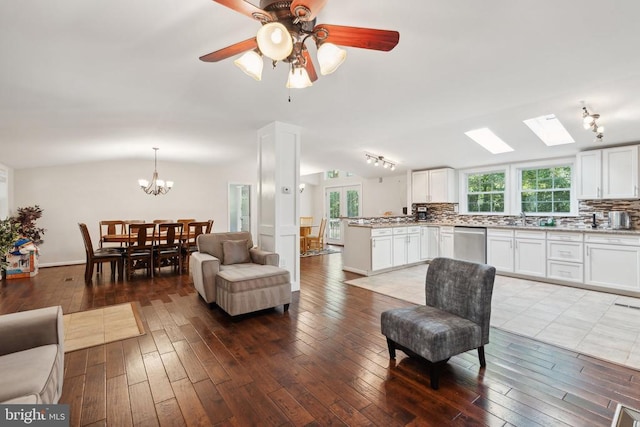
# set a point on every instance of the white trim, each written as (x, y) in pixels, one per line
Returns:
(541, 164)
(463, 175)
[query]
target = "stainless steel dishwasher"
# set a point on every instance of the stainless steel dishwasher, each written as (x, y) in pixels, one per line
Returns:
(470, 244)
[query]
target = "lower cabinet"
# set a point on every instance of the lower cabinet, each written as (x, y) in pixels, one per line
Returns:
(612, 261)
(381, 249)
(406, 245)
(429, 242)
(530, 254)
(500, 249)
(446, 242)
(565, 256)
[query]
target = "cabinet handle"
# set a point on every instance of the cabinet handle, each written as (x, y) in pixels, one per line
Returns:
(510, 244)
(374, 242)
(635, 190)
(598, 192)
(565, 252)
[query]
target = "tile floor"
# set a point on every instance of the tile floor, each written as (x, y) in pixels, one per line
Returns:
(586, 321)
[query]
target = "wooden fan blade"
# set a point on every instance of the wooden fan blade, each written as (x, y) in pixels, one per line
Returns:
(308, 65)
(365, 38)
(247, 9)
(306, 10)
(230, 51)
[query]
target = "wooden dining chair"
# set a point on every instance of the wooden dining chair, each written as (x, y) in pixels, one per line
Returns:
(317, 241)
(139, 252)
(194, 229)
(99, 256)
(168, 249)
(107, 227)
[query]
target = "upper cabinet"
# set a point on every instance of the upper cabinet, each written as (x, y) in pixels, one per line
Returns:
(434, 186)
(610, 173)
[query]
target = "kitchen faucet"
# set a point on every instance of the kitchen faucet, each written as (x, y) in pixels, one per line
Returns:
(523, 216)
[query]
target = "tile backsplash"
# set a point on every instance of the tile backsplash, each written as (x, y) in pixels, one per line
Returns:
(446, 212)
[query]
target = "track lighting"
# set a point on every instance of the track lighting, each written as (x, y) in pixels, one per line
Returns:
(589, 121)
(378, 160)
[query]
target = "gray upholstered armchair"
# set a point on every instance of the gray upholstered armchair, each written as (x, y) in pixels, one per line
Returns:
(31, 356)
(229, 271)
(455, 318)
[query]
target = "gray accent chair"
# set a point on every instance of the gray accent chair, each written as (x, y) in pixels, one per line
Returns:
(454, 320)
(228, 271)
(31, 356)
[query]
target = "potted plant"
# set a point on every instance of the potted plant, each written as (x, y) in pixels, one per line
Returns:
(26, 221)
(8, 236)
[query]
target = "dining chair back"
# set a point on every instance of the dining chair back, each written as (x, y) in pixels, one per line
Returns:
(160, 221)
(99, 256)
(168, 250)
(194, 229)
(317, 241)
(139, 252)
(115, 226)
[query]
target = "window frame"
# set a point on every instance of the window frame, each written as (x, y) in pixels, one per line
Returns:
(463, 177)
(513, 186)
(544, 164)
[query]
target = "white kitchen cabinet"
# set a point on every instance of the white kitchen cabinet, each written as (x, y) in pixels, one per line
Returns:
(434, 186)
(620, 173)
(381, 249)
(609, 173)
(406, 245)
(420, 187)
(429, 242)
(399, 246)
(446, 242)
(612, 261)
(500, 249)
(413, 245)
(530, 253)
(565, 256)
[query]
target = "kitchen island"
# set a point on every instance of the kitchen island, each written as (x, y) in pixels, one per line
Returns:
(597, 259)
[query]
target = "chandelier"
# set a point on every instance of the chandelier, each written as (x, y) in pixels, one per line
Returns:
(156, 186)
(589, 122)
(378, 160)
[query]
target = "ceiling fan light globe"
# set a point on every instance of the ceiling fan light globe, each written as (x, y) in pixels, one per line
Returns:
(298, 79)
(251, 64)
(330, 57)
(274, 41)
(143, 183)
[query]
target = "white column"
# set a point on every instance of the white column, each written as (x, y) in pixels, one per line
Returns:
(278, 195)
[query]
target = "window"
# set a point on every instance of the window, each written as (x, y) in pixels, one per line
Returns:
(485, 192)
(333, 174)
(546, 190)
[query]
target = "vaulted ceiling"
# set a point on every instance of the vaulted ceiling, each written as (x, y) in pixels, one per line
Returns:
(96, 80)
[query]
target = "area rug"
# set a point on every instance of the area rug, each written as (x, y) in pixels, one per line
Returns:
(100, 326)
(602, 325)
(320, 252)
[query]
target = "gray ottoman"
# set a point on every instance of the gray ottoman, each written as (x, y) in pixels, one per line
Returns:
(241, 289)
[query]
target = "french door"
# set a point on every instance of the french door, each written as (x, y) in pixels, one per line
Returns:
(340, 202)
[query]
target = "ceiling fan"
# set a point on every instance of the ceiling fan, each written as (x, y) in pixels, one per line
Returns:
(286, 26)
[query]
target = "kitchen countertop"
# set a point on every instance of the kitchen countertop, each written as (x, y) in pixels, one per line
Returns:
(503, 226)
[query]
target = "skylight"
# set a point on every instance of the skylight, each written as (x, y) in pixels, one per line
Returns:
(549, 130)
(489, 140)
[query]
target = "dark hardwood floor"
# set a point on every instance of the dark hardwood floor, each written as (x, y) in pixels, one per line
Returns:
(324, 362)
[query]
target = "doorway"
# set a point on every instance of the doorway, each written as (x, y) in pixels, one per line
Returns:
(239, 207)
(340, 202)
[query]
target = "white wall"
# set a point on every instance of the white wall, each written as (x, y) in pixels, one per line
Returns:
(91, 192)
(380, 195)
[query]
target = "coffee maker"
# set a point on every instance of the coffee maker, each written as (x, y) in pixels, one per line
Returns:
(421, 213)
